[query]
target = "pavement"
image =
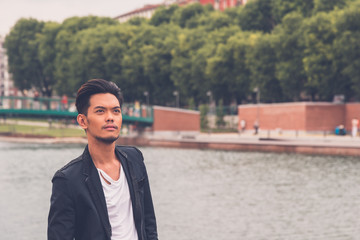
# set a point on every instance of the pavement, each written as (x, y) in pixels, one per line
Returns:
(264, 137)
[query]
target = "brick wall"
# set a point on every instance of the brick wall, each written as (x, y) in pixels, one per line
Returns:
(352, 111)
(324, 116)
(304, 116)
(173, 119)
(271, 116)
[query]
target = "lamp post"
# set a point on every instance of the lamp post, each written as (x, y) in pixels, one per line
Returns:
(209, 94)
(146, 94)
(2, 87)
(177, 95)
(257, 123)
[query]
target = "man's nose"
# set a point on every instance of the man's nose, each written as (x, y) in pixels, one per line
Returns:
(109, 117)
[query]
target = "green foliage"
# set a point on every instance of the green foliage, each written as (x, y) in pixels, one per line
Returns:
(22, 49)
(204, 109)
(290, 50)
(191, 104)
(220, 122)
(256, 15)
(163, 15)
(280, 8)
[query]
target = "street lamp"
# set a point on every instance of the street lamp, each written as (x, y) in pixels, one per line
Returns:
(209, 94)
(177, 95)
(2, 87)
(257, 123)
(146, 94)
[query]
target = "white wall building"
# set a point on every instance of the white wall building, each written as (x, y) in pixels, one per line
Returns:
(6, 84)
(145, 12)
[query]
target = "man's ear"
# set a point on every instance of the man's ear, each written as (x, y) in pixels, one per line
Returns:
(82, 121)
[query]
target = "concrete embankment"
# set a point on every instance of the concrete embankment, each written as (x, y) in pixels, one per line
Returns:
(331, 145)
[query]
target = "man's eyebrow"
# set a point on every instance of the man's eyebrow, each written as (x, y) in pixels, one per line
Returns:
(101, 107)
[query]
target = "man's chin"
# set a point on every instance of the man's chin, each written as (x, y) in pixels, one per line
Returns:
(107, 140)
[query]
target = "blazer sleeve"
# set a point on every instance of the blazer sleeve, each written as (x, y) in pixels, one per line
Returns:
(61, 220)
(150, 220)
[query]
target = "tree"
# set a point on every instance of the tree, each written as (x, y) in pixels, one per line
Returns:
(47, 54)
(318, 60)
(204, 123)
(220, 114)
(184, 74)
(328, 5)
(289, 52)
(256, 15)
(24, 63)
(157, 60)
(65, 48)
(280, 8)
(187, 17)
(261, 60)
(163, 15)
(347, 49)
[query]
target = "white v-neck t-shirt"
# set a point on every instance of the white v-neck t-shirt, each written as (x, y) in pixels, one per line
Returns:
(119, 206)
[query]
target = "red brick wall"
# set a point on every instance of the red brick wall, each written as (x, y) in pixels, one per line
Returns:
(271, 116)
(352, 111)
(248, 114)
(326, 116)
(299, 116)
(174, 119)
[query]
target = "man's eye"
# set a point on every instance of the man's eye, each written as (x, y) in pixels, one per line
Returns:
(117, 110)
(99, 111)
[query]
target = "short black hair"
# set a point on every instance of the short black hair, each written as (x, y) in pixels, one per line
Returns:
(95, 86)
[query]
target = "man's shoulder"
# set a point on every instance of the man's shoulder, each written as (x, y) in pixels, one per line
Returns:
(72, 167)
(130, 152)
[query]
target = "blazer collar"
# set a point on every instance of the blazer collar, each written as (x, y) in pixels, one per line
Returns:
(93, 183)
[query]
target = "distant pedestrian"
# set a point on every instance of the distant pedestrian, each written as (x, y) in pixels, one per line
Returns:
(355, 126)
(36, 104)
(64, 102)
(256, 127)
(242, 125)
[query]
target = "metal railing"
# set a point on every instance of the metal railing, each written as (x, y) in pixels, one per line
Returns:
(58, 107)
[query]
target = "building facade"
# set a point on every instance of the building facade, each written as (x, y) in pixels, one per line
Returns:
(145, 12)
(148, 10)
(6, 84)
(223, 4)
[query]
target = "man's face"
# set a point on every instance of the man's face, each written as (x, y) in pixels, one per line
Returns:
(103, 120)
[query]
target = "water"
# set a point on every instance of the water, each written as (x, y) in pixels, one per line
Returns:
(202, 195)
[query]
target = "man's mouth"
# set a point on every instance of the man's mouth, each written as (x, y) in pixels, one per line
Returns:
(110, 127)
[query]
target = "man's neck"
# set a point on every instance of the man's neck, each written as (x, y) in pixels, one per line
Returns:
(101, 153)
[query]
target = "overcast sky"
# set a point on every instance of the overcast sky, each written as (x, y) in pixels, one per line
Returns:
(58, 10)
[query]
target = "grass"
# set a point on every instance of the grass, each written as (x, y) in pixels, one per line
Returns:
(25, 130)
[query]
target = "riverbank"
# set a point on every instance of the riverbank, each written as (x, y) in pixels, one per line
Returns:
(314, 145)
(304, 144)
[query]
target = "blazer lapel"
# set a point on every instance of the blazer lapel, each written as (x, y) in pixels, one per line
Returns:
(93, 183)
(127, 167)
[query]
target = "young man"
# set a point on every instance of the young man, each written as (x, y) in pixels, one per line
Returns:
(104, 193)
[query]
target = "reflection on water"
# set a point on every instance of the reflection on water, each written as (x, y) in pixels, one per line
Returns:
(202, 195)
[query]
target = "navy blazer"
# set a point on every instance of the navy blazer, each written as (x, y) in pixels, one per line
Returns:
(78, 206)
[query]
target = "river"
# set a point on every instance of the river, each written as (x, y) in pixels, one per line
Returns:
(202, 194)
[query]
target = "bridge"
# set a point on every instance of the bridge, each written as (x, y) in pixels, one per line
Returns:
(55, 108)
